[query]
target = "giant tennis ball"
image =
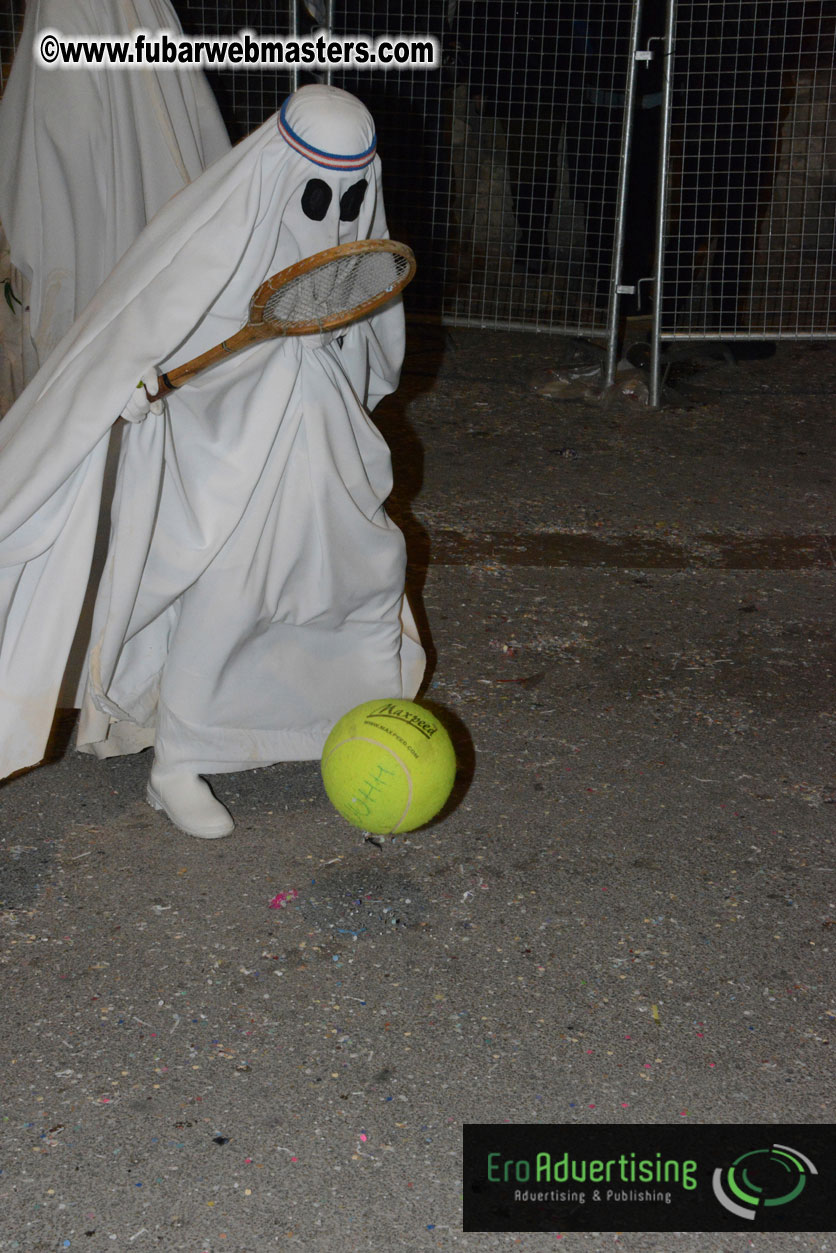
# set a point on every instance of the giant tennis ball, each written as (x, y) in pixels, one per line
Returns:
(388, 766)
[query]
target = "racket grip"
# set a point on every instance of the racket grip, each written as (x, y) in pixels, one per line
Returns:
(181, 374)
(164, 386)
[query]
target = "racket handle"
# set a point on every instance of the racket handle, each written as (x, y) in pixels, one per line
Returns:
(172, 379)
(164, 386)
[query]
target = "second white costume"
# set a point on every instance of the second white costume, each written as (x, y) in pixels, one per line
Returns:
(88, 156)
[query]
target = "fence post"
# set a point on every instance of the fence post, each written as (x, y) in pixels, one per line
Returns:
(662, 205)
(613, 307)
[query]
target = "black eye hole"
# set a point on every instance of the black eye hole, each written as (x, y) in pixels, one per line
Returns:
(315, 199)
(351, 201)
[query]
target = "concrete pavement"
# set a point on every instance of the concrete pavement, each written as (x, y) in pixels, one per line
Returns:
(626, 915)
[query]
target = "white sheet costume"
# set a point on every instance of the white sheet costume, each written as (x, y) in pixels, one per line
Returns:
(254, 587)
(87, 157)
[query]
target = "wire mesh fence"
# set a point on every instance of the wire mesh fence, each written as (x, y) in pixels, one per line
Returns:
(11, 21)
(247, 96)
(537, 110)
(750, 194)
(501, 165)
(505, 163)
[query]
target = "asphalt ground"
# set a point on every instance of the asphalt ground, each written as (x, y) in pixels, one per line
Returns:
(625, 915)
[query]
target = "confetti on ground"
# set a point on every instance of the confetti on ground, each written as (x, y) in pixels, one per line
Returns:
(281, 898)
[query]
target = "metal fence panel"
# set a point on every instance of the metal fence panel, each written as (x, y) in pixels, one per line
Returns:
(510, 154)
(502, 166)
(11, 21)
(544, 87)
(247, 96)
(750, 210)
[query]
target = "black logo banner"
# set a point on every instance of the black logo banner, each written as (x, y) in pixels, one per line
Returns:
(649, 1177)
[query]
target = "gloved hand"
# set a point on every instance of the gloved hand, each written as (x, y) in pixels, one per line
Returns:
(139, 406)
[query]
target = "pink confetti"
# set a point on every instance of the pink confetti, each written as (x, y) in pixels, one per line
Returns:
(281, 898)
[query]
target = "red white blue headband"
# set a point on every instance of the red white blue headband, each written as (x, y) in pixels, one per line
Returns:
(329, 160)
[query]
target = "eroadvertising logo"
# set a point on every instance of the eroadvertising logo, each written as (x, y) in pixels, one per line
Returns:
(773, 1176)
(648, 1177)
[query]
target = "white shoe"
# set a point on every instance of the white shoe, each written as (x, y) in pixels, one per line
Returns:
(188, 801)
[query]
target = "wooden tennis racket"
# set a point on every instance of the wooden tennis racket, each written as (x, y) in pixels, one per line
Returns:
(323, 292)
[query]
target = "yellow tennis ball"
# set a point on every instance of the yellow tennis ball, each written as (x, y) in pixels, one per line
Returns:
(388, 766)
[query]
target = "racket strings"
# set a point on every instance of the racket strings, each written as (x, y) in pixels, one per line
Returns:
(336, 288)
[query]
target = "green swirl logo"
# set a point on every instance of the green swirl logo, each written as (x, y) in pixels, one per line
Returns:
(761, 1179)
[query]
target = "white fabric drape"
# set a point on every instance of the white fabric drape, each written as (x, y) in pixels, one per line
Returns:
(253, 590)
(87, 157)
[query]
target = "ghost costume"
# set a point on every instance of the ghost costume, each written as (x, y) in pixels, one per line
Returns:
(88, 157)
(254, 585)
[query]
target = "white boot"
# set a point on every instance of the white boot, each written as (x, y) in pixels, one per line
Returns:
(188, 801)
